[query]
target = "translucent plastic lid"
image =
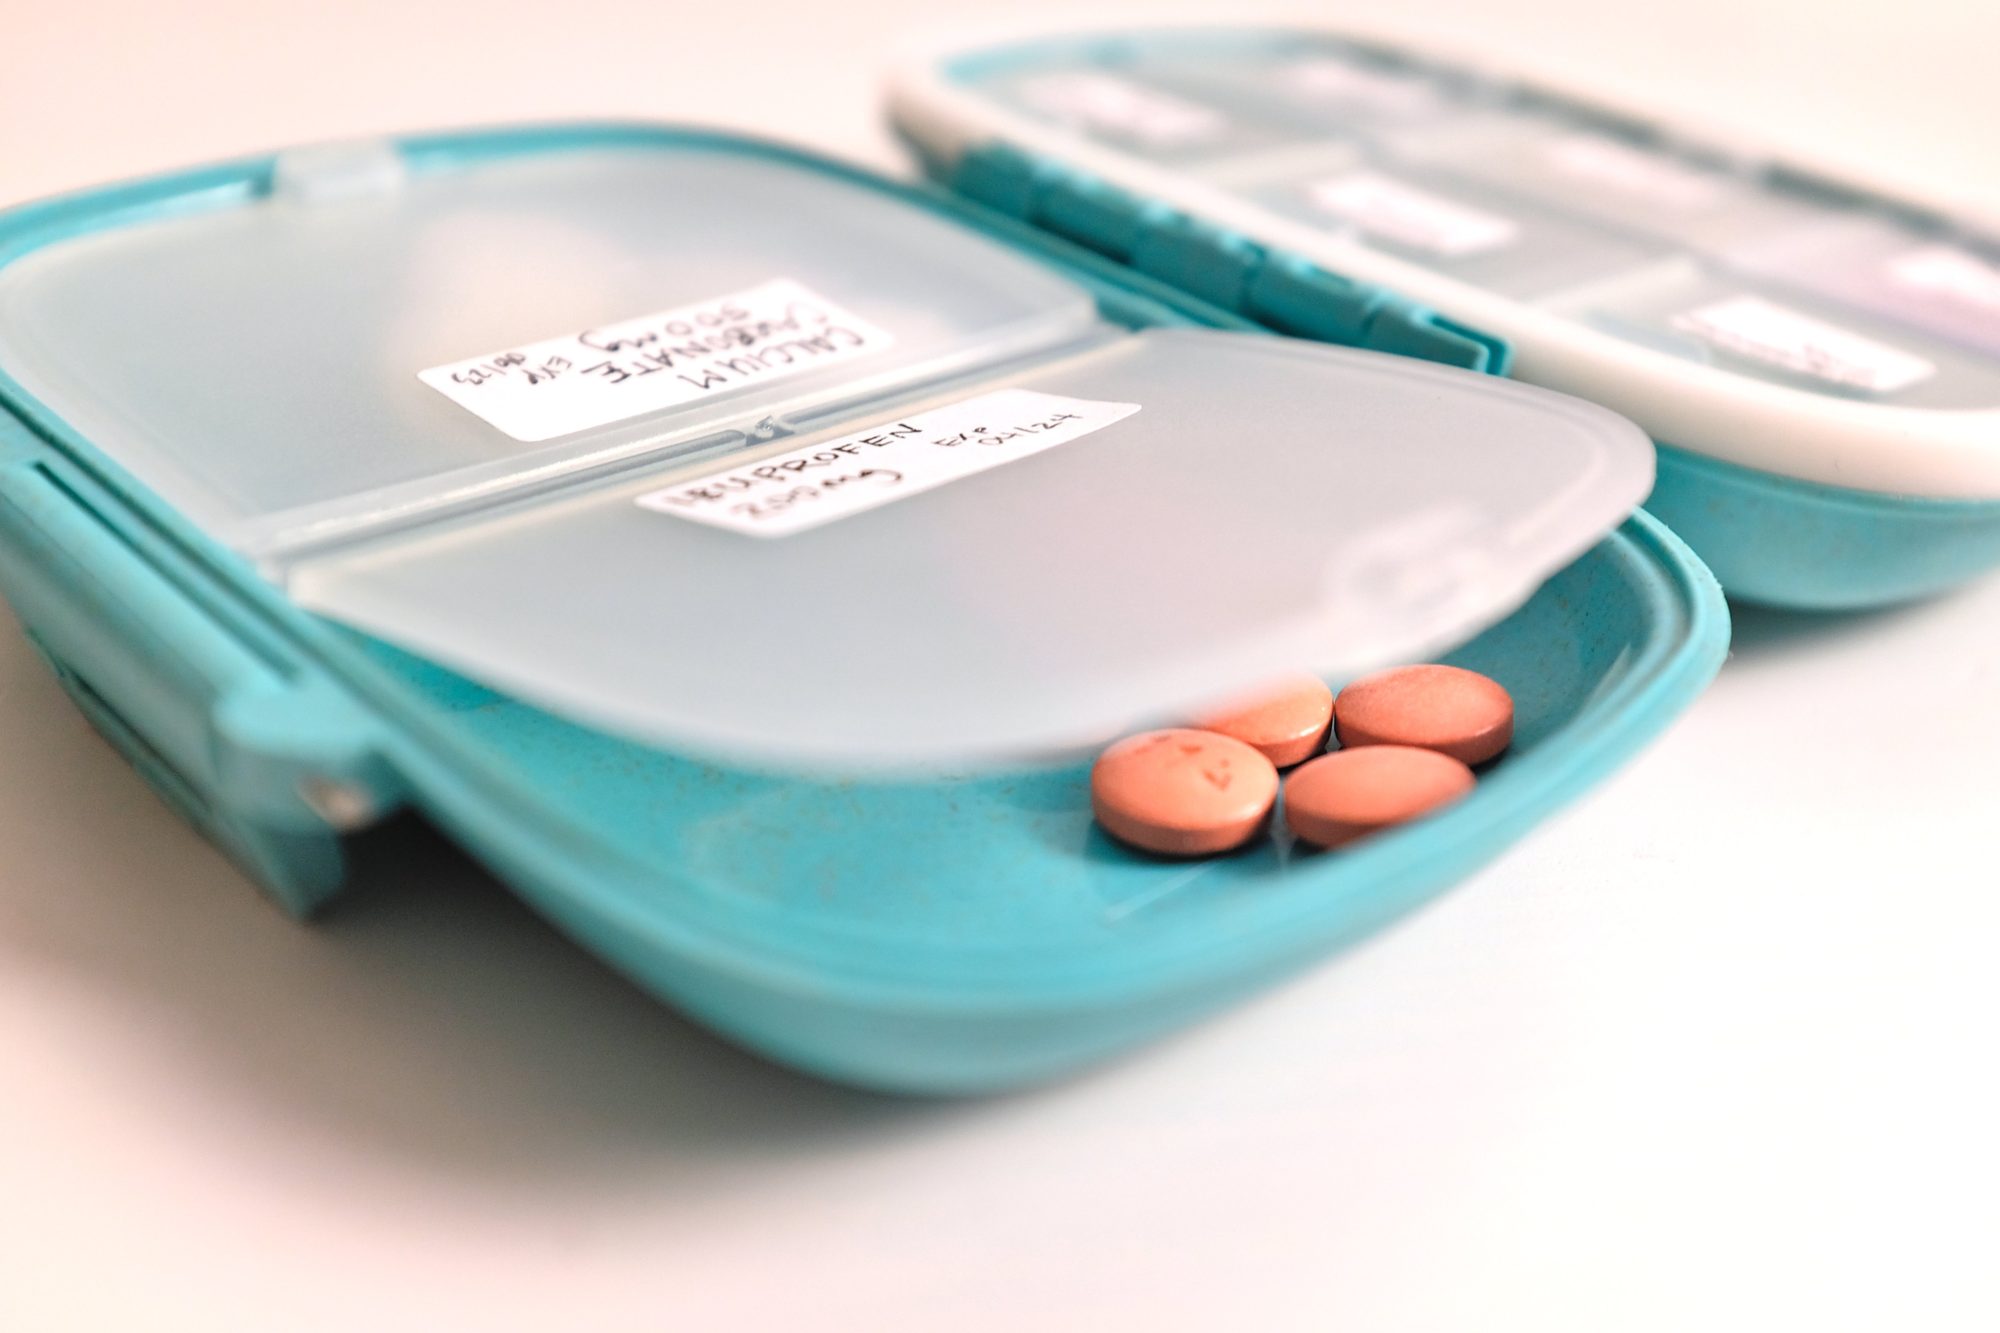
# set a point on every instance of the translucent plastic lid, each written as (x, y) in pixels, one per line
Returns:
(890, 494)
(1268, 506)
(258, 360)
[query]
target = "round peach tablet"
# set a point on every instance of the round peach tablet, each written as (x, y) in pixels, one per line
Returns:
(1444, 708)
(1182, 792)
(1349, 794)
(1286, 724)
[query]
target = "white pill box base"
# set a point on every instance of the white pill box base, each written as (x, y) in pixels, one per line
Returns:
(1831, 342)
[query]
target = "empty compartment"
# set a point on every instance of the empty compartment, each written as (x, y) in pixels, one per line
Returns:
(1921, 278)
(1785, 335)
(256, 359)
(1328, 87)
(1196, 99)
(1615, 176)
(1128, 109)
(1467, 231)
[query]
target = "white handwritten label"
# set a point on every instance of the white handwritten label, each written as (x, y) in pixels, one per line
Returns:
(584, 380)
(1628, 168)
(1951, 273)
(839, 478)
(1408, 216)
(1752, 327)
(1119, 107)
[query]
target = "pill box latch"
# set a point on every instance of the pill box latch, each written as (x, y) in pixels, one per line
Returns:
(245, 740)
(1208, 262)
(1001, 177)
(1094, 214)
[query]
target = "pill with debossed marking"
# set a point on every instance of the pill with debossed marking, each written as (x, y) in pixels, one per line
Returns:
(1183, 792)
(1444, 708)
(1349, 794)
(1286, 723)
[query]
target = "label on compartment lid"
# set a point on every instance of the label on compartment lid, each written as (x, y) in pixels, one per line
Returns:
(1411, 217)
(1116, 106)
(581, 381)
(904, 456)
(1634, 170)
(1949, 272)
(1761, 330)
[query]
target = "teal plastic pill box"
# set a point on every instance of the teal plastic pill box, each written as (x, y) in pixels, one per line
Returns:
(1818, 358)
(285, 543)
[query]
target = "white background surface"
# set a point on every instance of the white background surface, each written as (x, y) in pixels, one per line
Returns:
(1712, 1052)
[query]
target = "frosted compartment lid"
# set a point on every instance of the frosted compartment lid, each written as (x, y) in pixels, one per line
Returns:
(996, 526)
(1020, 568)
(373, 332)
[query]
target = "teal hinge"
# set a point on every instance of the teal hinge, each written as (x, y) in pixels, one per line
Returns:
(1283, 292)
(1305, 301)
(1410, 330)
(1204, 261)
(1002, 178)
(1301, 299)
(1102, 217)
(1078, 208)
(266, 754)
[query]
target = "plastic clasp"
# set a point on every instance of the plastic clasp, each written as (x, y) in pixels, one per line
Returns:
(264, 754)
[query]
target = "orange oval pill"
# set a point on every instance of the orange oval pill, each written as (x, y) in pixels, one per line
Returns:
(1444, 708)
(1287, 724)
(1182, 792)
(1348, 794)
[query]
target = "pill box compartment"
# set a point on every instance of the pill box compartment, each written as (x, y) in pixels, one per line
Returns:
(1249, 92)
(826, 788)
(1192, 106)
(1785, 334)
(1503, 243)
(255, 358)
(1933, 283)
(1268, 503)
(976, 932)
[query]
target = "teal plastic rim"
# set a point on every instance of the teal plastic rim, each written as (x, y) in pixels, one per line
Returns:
(1797, 544)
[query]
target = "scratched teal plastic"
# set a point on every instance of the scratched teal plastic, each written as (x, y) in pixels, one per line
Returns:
(963, 936)
(951, 935)
(1792, 543)
(1768, 538)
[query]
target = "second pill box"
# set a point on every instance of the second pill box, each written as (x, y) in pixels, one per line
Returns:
(1818, 357)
